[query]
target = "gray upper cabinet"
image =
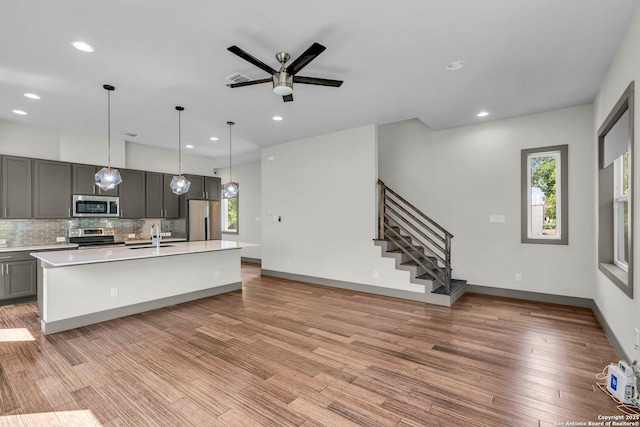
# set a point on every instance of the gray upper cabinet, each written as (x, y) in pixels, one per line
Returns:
(154, 206)
(161, 202)
(196, 190)
(132, 194)
(212, 187)
(16, 187)
(171, 201)
(51, 189)
(84, 181)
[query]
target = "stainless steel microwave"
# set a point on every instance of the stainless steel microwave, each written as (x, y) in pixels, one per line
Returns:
(95, 206)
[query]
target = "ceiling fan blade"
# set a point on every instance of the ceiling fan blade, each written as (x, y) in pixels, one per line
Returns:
(250, 82)
(287, 98)
(317, 81)
(247, 57)
(308, 56)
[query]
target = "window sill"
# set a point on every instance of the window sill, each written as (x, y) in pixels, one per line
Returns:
(618, 276)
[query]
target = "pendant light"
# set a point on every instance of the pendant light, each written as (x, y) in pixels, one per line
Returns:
(179, 184)
(230, 189)
(107, 178)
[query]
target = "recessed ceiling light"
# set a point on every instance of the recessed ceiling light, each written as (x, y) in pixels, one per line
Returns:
(20, 112)
(32, 96)
(85, 47)
(455, 65)
(213, 138)
(189, 146)
(482, 114)
(277, 118)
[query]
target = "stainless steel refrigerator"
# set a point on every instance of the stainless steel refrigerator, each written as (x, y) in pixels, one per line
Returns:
(204, 220)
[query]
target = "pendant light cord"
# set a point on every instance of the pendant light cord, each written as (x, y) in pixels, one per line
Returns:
(109, 128)
(230, 162)
(179, 145)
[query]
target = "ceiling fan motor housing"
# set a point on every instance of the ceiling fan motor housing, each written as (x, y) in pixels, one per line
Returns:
(283, 83)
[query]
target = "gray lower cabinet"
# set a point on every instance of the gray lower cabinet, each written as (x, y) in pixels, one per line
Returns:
(19, 276)
(51, 189)
(161, 202)
(84, 180)
(132, 194)
(16, 187)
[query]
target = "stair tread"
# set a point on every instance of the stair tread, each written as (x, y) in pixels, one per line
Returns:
(412, 263)
(455, 284)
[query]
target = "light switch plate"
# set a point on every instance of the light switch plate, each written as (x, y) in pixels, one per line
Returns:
(131, 235)
(60, 239)
(3, 241)
(497, 218)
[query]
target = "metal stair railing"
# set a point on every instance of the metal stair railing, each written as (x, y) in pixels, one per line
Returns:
(403, 223)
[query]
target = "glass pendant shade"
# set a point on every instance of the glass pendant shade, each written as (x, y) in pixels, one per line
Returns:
(230, 190)
(107, 178)
(179, 185)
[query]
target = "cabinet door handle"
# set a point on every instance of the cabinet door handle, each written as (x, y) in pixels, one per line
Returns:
(121, 213)
(7, 269)
(5, 211)
(6, 257)
(2, 273)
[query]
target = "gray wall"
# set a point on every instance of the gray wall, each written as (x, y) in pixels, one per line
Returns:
(460, 177)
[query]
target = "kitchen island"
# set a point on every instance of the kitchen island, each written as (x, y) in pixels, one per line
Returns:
(81, 287)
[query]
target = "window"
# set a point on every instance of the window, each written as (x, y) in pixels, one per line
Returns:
(615, 193)
(230, 215)
(621, 211)
(544, 195)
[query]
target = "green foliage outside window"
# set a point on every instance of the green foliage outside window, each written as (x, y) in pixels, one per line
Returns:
(232, 213)
(543, 176)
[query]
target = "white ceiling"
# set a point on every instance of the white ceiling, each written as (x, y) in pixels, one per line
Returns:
(521, 57)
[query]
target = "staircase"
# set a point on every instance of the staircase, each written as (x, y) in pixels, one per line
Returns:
(419, 245)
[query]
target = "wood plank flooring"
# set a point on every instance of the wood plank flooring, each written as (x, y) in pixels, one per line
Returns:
(283, 353)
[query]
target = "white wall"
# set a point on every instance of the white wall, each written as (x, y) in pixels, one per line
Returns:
(31, 141)
(460, 177)
(621, 313)
(249, 179)
(324, 189)
(144, 157)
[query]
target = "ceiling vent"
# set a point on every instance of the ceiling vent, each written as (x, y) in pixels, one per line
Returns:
(238, 78)
(132, 135)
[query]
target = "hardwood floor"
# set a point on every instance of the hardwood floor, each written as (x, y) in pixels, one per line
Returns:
(283, 353)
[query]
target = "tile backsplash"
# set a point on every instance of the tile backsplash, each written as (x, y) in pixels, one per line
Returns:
(29, 232)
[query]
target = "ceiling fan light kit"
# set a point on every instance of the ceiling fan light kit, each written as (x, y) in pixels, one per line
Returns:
(284, 78)
(107, 178)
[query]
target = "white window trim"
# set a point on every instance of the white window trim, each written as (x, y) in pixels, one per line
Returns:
(558, 235)
(619, 199)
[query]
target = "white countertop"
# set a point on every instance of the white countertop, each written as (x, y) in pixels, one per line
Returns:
(98, 255)
(40, 247)
(148, 241)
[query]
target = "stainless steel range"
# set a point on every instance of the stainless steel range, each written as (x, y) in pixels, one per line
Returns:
(93, 237)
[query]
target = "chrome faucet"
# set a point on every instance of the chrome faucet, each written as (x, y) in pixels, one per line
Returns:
(157, 236)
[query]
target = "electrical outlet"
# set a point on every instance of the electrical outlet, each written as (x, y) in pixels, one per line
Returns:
(518, 277)
(636, 337)
(114, 292)
(131, 235)
(3, 241)
(60, 239)
(216, 274)
(289, 262)
(375, 274)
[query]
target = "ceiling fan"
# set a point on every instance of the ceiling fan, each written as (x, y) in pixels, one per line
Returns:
(284, 78)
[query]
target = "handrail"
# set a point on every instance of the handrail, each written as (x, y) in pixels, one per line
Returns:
(415, 209)
(397, 215)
